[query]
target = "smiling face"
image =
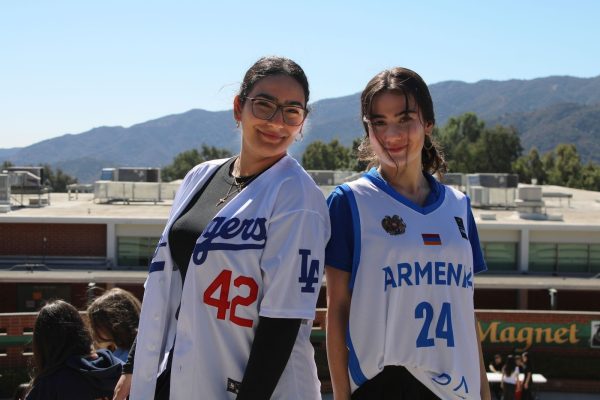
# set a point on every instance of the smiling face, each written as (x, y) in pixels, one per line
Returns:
(263, 140)
(397, 131)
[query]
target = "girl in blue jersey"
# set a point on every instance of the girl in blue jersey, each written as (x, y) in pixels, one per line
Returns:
(400, 261)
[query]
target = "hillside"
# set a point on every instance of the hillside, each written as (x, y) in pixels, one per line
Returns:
(546, 111)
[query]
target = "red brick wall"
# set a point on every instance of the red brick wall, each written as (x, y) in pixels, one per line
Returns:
(80, 240)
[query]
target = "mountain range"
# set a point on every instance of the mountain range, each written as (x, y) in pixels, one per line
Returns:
(545, 111)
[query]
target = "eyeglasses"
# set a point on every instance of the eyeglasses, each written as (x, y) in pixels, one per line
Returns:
(266, 109)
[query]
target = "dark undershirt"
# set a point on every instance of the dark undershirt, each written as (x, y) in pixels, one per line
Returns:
(274, 338)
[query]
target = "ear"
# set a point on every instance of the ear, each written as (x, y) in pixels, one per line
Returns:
(237, 108)
(428, 128)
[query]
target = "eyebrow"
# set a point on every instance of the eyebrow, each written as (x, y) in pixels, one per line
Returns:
(274, 99)
(405, 112)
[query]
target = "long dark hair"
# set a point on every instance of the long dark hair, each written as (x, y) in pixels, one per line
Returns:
(409, 84)
(510, 365)
(59, 333)
(270, 66)
(116, 313)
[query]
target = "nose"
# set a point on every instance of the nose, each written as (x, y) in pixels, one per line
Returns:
(277, 118)
(394, 130)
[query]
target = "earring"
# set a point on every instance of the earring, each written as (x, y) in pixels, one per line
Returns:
(300, 135)
(237, 123)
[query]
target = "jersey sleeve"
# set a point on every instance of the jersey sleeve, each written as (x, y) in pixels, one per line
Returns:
(340, 248)
(478, 261)
(292, 264)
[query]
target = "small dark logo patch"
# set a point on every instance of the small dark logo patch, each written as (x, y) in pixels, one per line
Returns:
(461, 227)
(233, 386)
(393, 225)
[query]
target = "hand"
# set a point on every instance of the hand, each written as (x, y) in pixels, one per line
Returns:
(123, 387)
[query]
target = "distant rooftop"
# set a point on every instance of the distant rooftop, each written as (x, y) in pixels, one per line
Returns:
(583, 208)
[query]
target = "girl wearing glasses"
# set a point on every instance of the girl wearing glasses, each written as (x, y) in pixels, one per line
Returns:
(233, 284)
(401, 260)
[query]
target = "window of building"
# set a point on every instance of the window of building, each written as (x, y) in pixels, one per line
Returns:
(135, 251)
(595, 257)
(564, 257)
(500, 256)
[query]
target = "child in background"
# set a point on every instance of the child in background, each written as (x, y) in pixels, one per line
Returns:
(114, 318)
(66, 367)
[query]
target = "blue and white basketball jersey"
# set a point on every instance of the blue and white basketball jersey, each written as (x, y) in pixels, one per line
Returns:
(412, 289)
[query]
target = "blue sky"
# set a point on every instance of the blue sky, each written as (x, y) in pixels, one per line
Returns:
(69, 66)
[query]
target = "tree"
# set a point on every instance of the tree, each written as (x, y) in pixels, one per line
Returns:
(566, 170)
(471, 147)
(57, 180)
(331, 156)
(5, 165)
(186, 160)
(591, 177)
(530, 167)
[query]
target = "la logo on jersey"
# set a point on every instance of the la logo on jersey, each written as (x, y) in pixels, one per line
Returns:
(309, 274)
(252, 231)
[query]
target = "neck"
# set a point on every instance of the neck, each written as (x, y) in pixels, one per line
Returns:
(246, 165)
(410, 183)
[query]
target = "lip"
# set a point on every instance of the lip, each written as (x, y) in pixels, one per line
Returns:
(396, 149)
(270, 135)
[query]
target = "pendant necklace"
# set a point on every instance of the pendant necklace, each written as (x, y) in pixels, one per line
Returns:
(239, 182)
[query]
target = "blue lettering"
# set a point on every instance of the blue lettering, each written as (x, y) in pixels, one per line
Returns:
(404, 272)
(228, 230)
(463, 382)
(454, 274)
(468, 280)
(440, 273)
(422, 272)
(439, 378)
(389, 278)
(220, 227)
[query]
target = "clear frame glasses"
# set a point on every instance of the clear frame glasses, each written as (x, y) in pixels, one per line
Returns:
(266, 109)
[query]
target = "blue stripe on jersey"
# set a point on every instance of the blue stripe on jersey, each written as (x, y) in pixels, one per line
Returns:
(157, 266)
(374, 176)
(353, 364)
(356, 228)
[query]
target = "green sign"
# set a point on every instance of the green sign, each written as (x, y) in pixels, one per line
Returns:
(522, 336)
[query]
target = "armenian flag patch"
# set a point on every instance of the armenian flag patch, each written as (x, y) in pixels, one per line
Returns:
(431, 239)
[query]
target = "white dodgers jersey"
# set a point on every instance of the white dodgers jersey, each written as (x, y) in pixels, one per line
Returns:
(261, 256)
(412, 290)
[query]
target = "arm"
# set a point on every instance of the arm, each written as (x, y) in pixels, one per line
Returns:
(271, 349)
(124, 384)
(527, 379)
(338, 311)
(484, 390)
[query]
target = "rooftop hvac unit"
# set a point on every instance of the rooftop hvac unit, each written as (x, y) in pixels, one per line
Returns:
(130, 174)
(480, 196)
(4, 189)
(493, 180)
(36, 171)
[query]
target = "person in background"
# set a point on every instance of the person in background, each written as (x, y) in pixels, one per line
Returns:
(496, 366)
(114, 318)
(400, 262)
(65, 365)
(233, 284)
(526, 368)
(510, 378)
